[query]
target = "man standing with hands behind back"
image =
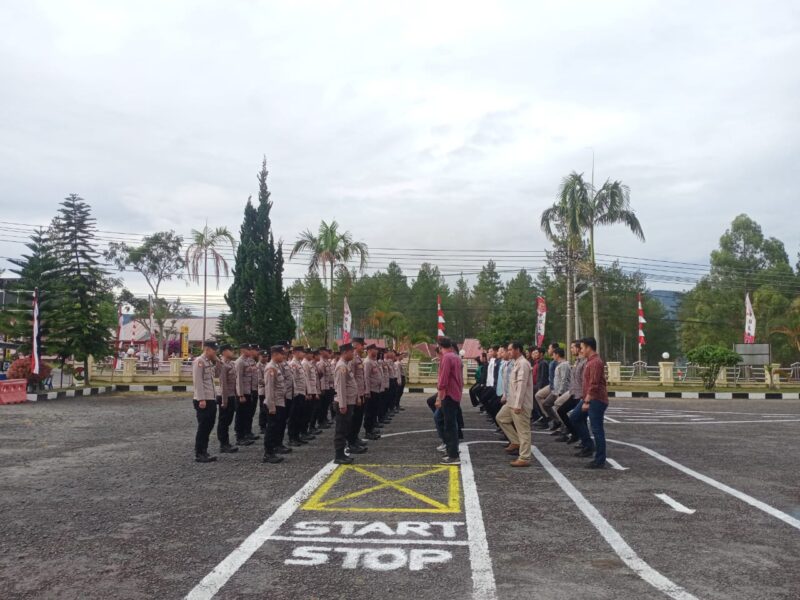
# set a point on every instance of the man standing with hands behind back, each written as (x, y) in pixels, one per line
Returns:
(346, 394)
(204, 368)
(515, 416)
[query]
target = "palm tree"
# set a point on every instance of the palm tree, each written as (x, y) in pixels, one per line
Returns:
(562, 223)
(207, 242)
(330, 250)
(593, 207)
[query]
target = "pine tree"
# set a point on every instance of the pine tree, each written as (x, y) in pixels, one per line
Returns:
(85, 313)
(260, 307)
(238, 325)
(35, 270)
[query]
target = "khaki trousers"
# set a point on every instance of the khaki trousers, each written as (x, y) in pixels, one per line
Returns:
(561, 399)
(517, 428)
(541, 396)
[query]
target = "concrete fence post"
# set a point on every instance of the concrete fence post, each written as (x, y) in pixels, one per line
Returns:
(614, 372)
(175, 369)
(666, 373)
(128, 369)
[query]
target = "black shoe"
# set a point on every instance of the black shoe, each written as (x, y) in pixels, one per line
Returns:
(373, 436)
(272, 459)
(227, 449)
(572, 439)
(401, 408)
(316, 431)
(204, 458)
(325, 425)
(361, 442)
(358, 449)
(563, 438)
(283, 450)
(450, 460)
(343, 460)
(304, 437)
(555, 427)
(584, 452)
(253, 438)
(596, 465)
(244, 442)
(296, 443)
(541, 426)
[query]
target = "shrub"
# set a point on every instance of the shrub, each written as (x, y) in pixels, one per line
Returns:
(21, 369)
(714, 359)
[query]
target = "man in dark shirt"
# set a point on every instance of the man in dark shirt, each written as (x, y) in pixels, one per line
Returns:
(594, 405)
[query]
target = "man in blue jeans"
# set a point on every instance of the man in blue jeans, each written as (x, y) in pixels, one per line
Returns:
(448, 397)
(594, 405)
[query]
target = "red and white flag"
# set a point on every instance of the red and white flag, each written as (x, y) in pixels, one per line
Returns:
(749, 321)
(641, 323)
(440, 317)
(347, 322)
(541, 319)
(35, 343)
(119, 333)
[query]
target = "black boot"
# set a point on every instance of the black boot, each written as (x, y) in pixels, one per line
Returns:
(272, 459)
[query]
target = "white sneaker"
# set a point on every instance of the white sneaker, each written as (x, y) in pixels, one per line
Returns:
(441, 448)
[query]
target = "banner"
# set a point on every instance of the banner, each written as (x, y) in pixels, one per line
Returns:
(35, 341)
(641, 323)
(440, 318)
(541, 319)
(347, 322)
(749, 321)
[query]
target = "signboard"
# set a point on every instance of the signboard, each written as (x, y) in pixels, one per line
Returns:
(754, 354)
(185, 341)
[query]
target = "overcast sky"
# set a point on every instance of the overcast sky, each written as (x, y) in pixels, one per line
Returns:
(415, 124)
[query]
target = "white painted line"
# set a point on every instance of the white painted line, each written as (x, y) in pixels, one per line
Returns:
(214, 581)
(386, 435)
(356, 540)
(675, 505)
(483, 585)
(614, 539)
(612, 420)
(707, 422)
(763, 506)
(615, 465)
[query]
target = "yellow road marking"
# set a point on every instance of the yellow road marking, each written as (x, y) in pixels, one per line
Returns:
(317, 501)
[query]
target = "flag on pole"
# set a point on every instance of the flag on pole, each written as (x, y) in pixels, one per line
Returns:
(541, 319)
(119, 333)
(641, 323)
(749, 321)
(35, 342)
(440, 316)
(347, 322)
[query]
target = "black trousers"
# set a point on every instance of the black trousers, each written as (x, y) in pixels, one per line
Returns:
(276, 427)
(253, 409)
(394, 395)
(309, 414)
(358, 419)
(262, 413)
(295, 416)
(474, 394)
(226, 415)
(563, 414)
(242, 415)
(205, 424)
(402, 389)
(344, 425)
(372, 410)
(324, 406)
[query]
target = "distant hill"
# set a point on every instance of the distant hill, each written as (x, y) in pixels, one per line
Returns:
(670, 300)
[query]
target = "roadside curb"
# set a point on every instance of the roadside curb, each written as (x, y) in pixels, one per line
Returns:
(107, 389)
(709, 395)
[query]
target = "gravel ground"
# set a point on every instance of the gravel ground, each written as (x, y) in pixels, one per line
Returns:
(101, 499)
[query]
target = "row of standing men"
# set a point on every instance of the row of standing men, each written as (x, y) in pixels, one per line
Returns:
(294, 390)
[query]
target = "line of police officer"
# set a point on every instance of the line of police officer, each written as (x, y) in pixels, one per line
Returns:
(294, 388)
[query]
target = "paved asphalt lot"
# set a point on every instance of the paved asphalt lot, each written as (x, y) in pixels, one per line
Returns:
(101, 499)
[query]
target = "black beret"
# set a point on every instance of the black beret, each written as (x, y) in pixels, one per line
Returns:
(278, 349)
(358, 340)
(345, 347)
(210, 344)
(225, 347)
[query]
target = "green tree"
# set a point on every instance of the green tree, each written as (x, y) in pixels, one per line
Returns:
(459, 315)
(272, 314)
(157, 259)
(330, 250)
(485, 296)
(205, 243)
(516, 317)
(85, 314)
(714, 359)
(239, 322)
(421, 311)
(36, 269)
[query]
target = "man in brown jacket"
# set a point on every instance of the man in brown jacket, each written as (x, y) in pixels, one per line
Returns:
(204, 368)
(275, 407)
(346, 396)
(226, 399)
(515, 415)
(372, 378)
(244, 395)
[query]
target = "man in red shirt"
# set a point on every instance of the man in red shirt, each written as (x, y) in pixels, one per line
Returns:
(594, 405)
(448, 397)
